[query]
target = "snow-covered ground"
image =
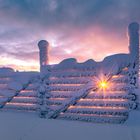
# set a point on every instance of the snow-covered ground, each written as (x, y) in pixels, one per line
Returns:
(28, 126)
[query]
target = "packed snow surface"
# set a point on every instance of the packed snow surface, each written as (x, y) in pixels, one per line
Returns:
(28, 126)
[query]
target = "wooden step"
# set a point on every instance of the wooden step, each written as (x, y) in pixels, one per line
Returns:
(3, 100)
(73, 74)
(56, 101)
(68, 81)
(18, 99)
(4, 81)
(123, 80)
(111, 96)
(31, 87)
(21, 106)
(61, 96)
(65, 85)
(93, 118)
(64, 88)
(28, 93)
(3, 86)
(121, 111)
(106, 103)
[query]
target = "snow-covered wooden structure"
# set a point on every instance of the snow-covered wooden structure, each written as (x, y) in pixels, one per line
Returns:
(71, 90)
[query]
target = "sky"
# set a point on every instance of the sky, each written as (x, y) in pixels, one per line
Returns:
(81, 29)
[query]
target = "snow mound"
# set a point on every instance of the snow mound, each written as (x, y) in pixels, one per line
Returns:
(67, 63)
(5, 71)
(114, 63)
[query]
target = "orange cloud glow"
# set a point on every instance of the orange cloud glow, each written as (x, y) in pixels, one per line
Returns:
(93, 43)
(19, 65)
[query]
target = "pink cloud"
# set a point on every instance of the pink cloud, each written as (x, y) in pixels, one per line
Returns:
(94, 43)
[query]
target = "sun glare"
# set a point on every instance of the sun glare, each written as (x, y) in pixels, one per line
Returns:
(103, 82)
(103, 85)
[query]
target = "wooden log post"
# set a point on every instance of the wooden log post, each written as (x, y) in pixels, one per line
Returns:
(44, 54)
(43, 94)
(133, 32)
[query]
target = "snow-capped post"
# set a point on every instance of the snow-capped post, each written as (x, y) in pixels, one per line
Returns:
(44, 54)
(134, 40)
(133, 32)
(43, 93)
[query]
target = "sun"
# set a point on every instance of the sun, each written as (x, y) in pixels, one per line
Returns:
(103, 85)
(102, 82)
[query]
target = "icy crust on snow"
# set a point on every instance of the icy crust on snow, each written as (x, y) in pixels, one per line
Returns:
(112, 64)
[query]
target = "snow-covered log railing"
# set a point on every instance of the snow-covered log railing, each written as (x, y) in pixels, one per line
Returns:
(18, 86)
(75, 95)
(7, 88)
(73, 100)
